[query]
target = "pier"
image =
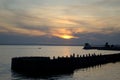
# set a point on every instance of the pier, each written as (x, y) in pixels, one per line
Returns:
(41, 66)
(103, 47)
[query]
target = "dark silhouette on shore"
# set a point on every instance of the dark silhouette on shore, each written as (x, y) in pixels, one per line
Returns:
(105, 47)
(42, 66)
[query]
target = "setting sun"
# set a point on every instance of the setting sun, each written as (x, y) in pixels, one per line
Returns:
(67, 37)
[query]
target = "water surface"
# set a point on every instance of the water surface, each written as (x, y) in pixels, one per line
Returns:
(110, 71)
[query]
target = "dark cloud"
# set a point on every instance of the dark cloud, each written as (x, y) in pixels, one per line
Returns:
(93, 38)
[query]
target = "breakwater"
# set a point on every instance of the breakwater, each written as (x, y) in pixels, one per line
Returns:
(38, 66)
(104, 47)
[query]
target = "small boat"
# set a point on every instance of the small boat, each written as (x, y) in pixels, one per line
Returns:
(39, 48)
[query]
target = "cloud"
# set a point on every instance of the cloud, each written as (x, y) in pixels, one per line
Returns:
(80, 20)
(109, 3)
(12, 29)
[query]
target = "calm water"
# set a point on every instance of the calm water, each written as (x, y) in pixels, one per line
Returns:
(109, 71)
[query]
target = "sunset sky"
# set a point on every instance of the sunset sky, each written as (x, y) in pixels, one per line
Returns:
(59, 21)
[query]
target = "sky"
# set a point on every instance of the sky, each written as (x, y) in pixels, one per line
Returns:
(59, 21)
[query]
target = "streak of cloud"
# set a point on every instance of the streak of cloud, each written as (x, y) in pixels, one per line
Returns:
(54, 19)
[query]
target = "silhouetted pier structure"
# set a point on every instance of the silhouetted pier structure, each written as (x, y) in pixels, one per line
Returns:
(104, 47)
(39, 66)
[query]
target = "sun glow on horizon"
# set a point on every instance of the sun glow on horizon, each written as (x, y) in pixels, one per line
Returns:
(67, 37)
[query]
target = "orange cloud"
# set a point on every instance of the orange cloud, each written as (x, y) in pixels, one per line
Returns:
(62, 33)
(28, 32)
(18, 30)
(3, 31)
(62, 26)
(64, 21)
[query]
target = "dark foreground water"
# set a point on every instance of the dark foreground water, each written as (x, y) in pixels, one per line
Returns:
(110, 71)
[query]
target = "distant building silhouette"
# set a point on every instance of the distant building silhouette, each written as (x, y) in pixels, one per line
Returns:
(107, 45)
(87, 46)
